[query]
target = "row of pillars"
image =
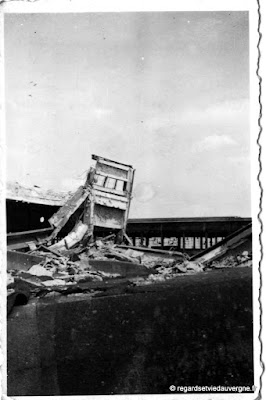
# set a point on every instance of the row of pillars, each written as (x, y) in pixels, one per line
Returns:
(205, 241)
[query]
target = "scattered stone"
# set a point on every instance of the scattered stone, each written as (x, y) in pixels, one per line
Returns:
(247, 263)
(71, 270)
(181, 268)
(63, 276)
(242, 260)
(55, 282)
(9, 280)
(133, 253)
(109, 274)
(33, 278)
(99, 243)
(52, 294)
(196, 267)
(38, 270)
(64, 271)
(87, 278)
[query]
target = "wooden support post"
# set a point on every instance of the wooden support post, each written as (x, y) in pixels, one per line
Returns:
(162, 237)
(194, 242)
(206, 240)
(128, 239)
(201, 243)
(183, 242)
(147, 239)
(134, 240)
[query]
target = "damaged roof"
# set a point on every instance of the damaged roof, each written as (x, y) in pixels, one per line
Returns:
(35, 194)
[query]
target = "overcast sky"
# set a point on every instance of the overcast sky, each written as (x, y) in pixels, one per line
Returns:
(165, 92)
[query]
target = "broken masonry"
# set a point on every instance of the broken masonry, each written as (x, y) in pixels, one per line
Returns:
(105, 198)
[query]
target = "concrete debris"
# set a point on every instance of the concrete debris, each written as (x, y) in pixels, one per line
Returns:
(79, 261)
(181, 268)
(134, 253)
(9, 278)
(242, 260)
(99, 268)
(106, 261)
(230, 246)
(103, 201)
(71, 239)
(38, 270)
(170, 269)
(194, 266)
(55, 282)
(151, 252)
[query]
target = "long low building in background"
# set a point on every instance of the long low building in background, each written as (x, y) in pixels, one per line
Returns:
(31, 208)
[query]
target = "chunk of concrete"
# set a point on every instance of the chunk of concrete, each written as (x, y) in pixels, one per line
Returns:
(38, 270)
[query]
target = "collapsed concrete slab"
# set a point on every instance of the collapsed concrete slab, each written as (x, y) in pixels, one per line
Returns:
(232, 246)
(105, 198)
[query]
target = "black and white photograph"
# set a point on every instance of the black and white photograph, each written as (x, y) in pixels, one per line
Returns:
(131, 201)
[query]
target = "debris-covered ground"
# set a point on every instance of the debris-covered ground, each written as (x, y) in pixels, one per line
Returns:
(75, 271)
(79, 263)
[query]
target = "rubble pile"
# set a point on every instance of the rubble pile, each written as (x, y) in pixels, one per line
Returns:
(57, 272)
(242, 260)
(169, 269)
(73, 260)
(75, 266)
